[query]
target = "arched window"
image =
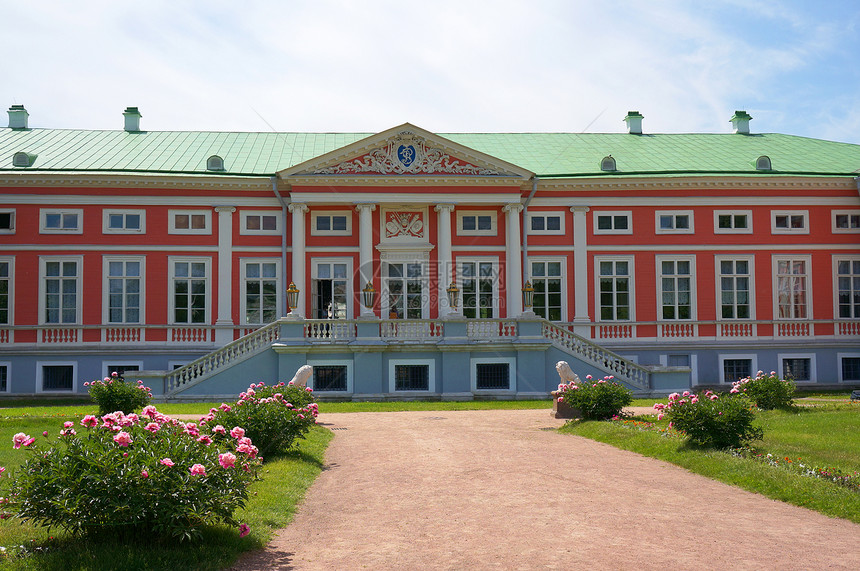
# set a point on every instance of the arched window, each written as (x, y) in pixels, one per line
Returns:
(607, 164)
(763, 163)
(22, 159)
(214, 163)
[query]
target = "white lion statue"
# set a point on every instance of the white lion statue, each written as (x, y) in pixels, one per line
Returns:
(565, 373)
(302, 376)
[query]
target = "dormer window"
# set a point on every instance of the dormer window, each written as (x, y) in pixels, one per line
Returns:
(763, 163)
(214, 163)
(607, 164)
(22, 159)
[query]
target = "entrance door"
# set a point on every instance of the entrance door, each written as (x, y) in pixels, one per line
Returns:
(479, 285)
(404, 290)
(329, 290)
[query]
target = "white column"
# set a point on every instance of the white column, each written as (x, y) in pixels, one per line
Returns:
(513, 253)
(298, 250)
(225, 274)
(446, 261)
(580, 272)
(365, 253)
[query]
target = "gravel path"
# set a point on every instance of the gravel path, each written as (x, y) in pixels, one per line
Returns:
(495, 490)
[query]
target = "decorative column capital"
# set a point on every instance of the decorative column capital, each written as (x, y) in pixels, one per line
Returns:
(514, 208)
(447, 207)
(225, 209)
(365, 207)
(299, 207)
(582, 209)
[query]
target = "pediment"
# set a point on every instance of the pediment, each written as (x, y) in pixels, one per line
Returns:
(405, 152)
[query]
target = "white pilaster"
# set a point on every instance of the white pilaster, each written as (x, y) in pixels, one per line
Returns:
(298, 250)
(446, 261)
(580, 272)
(224, 335)
(365, 253)
(513, 249)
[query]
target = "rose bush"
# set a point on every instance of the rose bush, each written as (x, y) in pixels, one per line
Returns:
(597, 400)
(114, 394)
(711, 420)
(272, 416)
(133, 475)
(767, 391)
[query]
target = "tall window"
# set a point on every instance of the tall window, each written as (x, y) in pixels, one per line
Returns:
(546, 280)
(330, 289)
(404, 284)
(792, 288)
(190, 291)
(60, 299)
(124, 290)
(478, 280)
(615, 288)
(676, 289)
(735, 289)
(5, 292)
(261, 292)
(848, 285)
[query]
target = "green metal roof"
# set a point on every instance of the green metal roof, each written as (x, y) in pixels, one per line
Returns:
(546, 154)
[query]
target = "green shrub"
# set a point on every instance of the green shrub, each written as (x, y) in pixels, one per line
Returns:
(114, 394)
(711, 420)
(133, 476)
(596, 400)
(272, 416)
(767, 391)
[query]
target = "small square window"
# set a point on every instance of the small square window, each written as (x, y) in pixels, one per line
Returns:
(797, 369)
(492, 376)
(851, 369)
(331, 224)
(124, 222)
(258, 223)
(190, 222)
(612, 223)
(732, 222)
(411, 377)
(736, 369)
(790, 222)
(674, 222)
(7, 221)
(62, 221)
(846, 221)
(58, 378)
(330, 378)
(546, 224)
(476, 224)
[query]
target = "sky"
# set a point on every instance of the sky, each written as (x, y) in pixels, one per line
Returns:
(443, 65)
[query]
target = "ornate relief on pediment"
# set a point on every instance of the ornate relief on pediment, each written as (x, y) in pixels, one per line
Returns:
(409, 153)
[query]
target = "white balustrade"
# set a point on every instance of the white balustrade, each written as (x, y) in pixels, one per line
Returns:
(411, 330)
(491, 329)
(330, 330)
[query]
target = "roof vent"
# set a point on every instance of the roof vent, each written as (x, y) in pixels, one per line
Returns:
(22, 159)
(18, 117)
(741, 122)
(763, 163)
(634, 122)
(607, 164)
(214, 163)
(132, 119)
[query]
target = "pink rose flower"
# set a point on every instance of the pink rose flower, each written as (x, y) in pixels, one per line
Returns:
(166, 462)
(144, 474)
(22, 439)
(227, 460)
(225, 407)
(219, 429)
(198, 470)
(237, 432)
(152, 427)
(244, 530)
(149, 411)
(89, 421)
(2, 469)
(122, 438)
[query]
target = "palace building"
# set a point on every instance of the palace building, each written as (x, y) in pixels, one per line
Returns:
(411, 264)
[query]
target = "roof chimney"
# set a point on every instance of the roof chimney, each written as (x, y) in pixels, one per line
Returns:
(132, 119)
(741, 122)
(634, 122)
(18, 117)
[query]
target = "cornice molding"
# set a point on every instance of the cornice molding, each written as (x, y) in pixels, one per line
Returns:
(709, 183)
(402, 180)
(82, 180)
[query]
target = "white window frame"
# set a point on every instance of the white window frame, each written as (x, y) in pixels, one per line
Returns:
(350, 282)
(12, 220)
(431, 375)
(752, 357)
(109, 367)
(43, 215)
(8, 366)
(11, 261)
(245, 214)
(659, 287)
(40, 376)
(494, 223)
(106, 260)
(631, 273)
(171, 300)
(564, 288)
(243, 304)
(839, 358)
(848, 213)
(777, 213)
(106, 214)
(694, 364)
(350, 379)
(43, 261)
(750, 260)
(171, 218)
(545, 214)
(415, 257)
(330, 213)
(807, 259)
(674, 214)
(733, 229)
(813, 374)
(512, 373)
(494, 260)
(836, 259)
(613, 213)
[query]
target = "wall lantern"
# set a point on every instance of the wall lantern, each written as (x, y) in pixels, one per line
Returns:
(292, 296)
(528, 296)
(368, 296)
(453, 296)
